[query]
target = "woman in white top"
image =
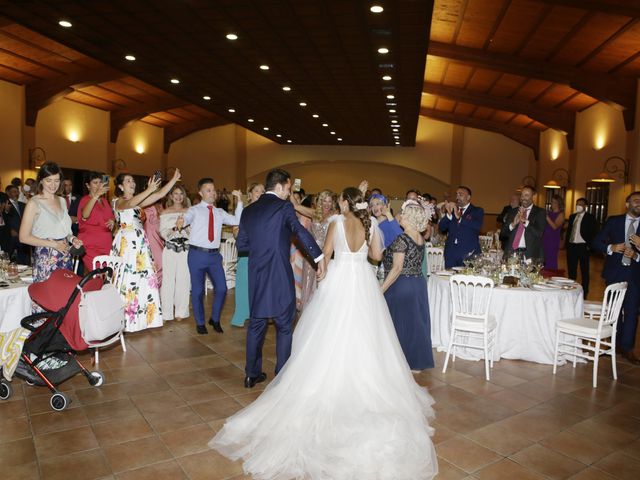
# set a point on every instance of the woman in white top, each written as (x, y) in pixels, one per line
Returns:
(176, 282)
(46, 225)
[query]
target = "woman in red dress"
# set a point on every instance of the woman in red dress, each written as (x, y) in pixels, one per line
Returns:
(95, 220)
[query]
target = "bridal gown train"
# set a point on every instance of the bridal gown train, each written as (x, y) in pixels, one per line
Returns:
(345, 406)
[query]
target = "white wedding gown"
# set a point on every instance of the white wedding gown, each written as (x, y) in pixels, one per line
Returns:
(345, 406)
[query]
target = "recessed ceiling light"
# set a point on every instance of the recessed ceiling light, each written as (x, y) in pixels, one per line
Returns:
(332, 133)
(395, 129)
(206, 97)
(288, 141)
(278, 135)
(391, 97)
(386, 78)
(175, 81)
(232, 110)
(250, 120)
(264, 67)
(266, 129)
(396, 137)
(286, 88)
(339, 139)
(232, 36)
(64, 23)
(394, 121)
(383, 50)
(391, 104)
(131, 58)
(302, 104)
(325, 124)
(376, 9)
(397, 143)
(315, 115)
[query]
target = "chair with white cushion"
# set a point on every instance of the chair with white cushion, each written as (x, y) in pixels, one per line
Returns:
(471, 321)
(601, 332)
(435, 259)
(591, 309)
(117, 264)
(486, 242)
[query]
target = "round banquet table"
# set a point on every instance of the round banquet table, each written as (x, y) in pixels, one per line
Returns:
(526, 320)
(15, 304)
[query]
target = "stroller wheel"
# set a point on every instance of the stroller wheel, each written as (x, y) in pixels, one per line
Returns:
(59, 401)
(96, 379)
(5, 390)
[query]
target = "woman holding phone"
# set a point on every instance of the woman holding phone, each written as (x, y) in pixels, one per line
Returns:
(95, 219)
(138, 282)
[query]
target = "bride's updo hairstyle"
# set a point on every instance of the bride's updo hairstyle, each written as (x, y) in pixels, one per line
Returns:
(358, 206)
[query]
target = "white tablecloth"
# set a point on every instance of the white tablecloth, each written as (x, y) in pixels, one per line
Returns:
(526, 320)
(15, 304)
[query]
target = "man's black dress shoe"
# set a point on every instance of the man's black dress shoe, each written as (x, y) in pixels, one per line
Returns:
(250, 382)
(201, 329)
(216, 326)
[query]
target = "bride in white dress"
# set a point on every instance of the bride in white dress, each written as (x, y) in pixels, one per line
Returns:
(345, 406)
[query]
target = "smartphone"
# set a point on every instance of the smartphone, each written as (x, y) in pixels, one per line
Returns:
(105, 179)
(157, 175)
(297, 183)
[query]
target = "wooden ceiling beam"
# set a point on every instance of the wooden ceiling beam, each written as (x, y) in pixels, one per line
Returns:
(627, 8)
(562, 120)
(121, 118)
(525, 136)
(44, 92)
(181, 130)
(619, 92)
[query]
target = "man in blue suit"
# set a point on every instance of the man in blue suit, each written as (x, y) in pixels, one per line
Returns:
(622, 264)
(462, 221)
(266, 228)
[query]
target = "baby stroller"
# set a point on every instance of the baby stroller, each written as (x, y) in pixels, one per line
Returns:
(49, 354)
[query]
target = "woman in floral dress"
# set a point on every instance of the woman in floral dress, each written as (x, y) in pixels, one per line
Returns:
(138, 281)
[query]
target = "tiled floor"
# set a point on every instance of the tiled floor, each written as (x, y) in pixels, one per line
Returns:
(165, 398)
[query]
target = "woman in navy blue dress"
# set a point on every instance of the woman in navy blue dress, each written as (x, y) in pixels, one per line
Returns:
(405, 288)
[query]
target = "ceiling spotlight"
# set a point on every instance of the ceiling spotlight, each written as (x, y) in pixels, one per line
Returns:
(397, 137)
(376, 9)
(397, 143)
(206, 97)
(339, 139)
(383, 50)
(286, 88)
(175, 81)
(325, 124)
(302, 104)
(387, 77)
(232, 36)
(395, 130)
(64, 23)
(288, 141)
(264, 67)
(315, 115)
(392, 111)
(278, 135)
(131, 58)
(266, 129)
(250, 120)
(232, 110)
(332, 133)
(394, 121)
(391, 97)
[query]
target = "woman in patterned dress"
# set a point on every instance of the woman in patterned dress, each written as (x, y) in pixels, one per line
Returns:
(138, 282)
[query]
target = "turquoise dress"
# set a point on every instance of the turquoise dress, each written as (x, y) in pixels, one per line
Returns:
(242, 291)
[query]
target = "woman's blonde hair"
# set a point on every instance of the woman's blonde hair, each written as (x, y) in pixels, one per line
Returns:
(317, 217)
(185, 204)
(251, 188)
(416, 216)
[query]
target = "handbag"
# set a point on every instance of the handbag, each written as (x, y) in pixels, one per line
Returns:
(101, 313)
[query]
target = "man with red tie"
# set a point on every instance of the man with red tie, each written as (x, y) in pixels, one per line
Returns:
(523, 227)
(204, 257)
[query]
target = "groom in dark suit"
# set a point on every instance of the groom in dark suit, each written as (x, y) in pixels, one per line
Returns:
(266, 228)
(523, 227)
(622, 264)
(462, 221)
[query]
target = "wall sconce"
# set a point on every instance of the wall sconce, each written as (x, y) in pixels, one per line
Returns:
(600, 142)
(559, 179)
(613, 166)
(37, 156)
(139, 148)
(73, 136)
(118, 166)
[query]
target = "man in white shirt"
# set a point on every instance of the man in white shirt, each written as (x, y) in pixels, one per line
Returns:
(204, 257)
(583, 228)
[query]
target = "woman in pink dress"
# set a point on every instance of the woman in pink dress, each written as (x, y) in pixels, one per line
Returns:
(95, 220)
(152, 229)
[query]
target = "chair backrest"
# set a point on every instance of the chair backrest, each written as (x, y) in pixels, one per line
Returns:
(435, 259)
(612, 303)
(486, 241)
(471, 295)
(229, 251)
(112, 261)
